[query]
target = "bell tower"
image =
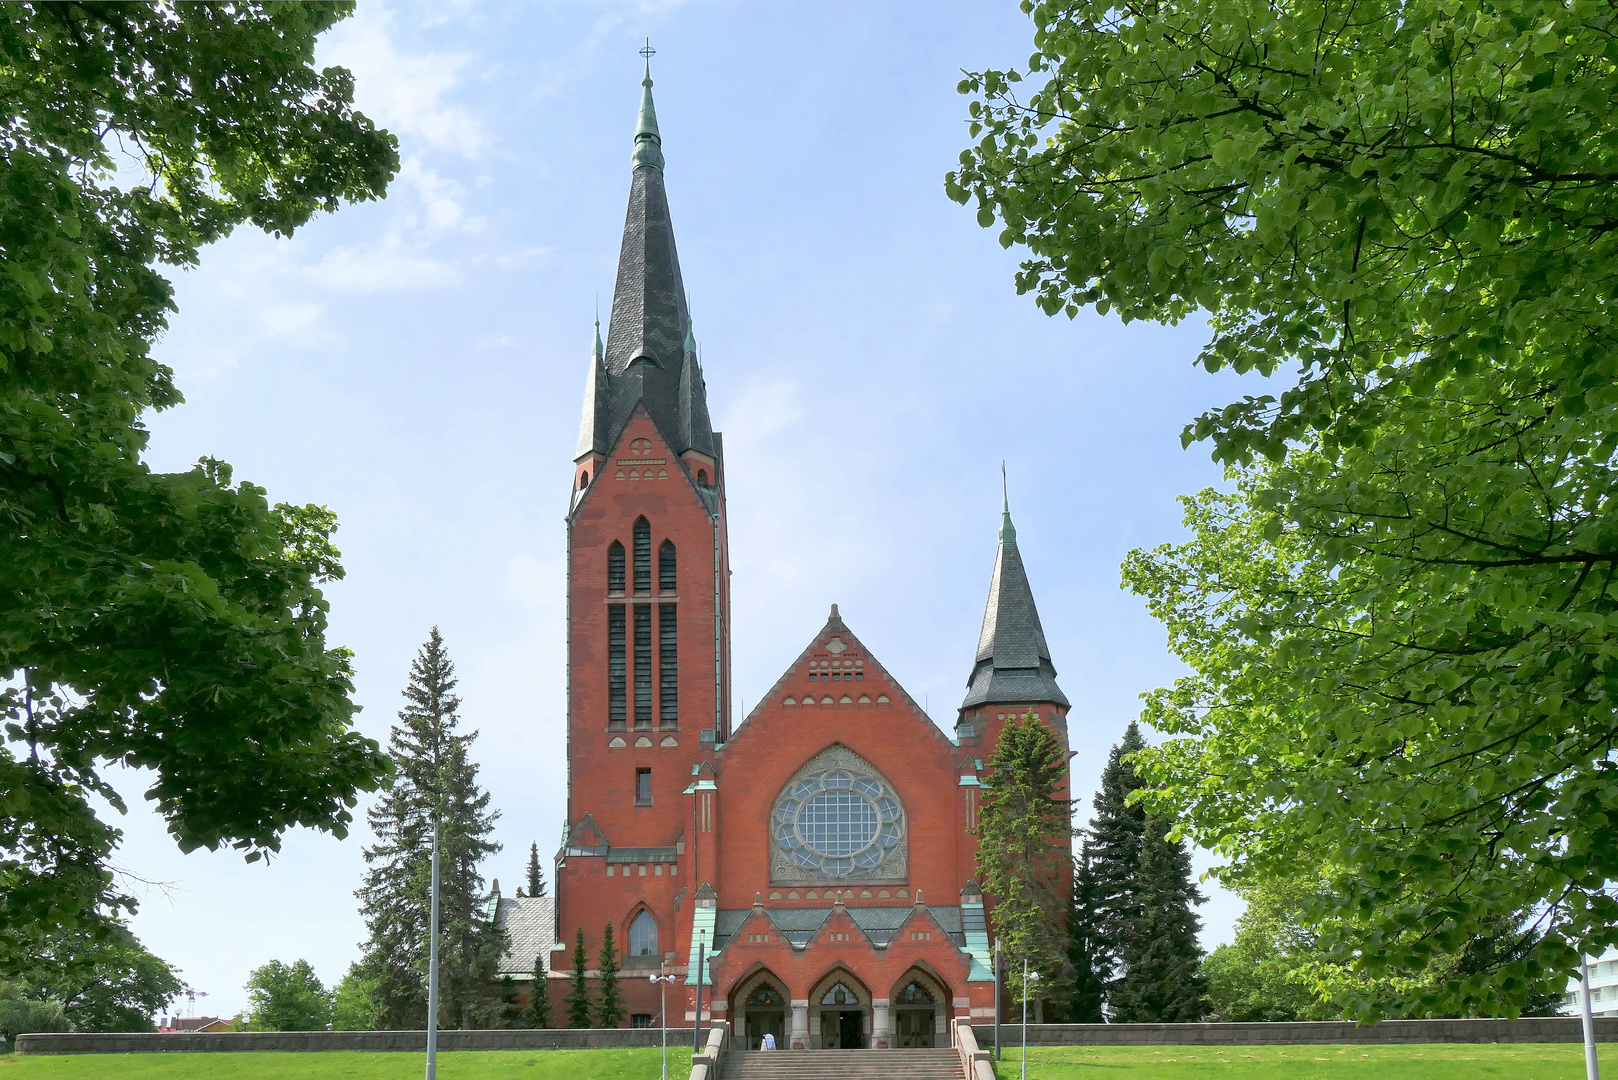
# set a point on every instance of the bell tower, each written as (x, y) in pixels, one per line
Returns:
(648, 596)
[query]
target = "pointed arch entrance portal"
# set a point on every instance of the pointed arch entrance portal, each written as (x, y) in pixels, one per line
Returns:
(760, 1009)
(918, 1010)
(840, 1012)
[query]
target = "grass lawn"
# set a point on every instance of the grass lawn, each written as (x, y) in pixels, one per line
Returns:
(1519, 1061)
(637, 1064)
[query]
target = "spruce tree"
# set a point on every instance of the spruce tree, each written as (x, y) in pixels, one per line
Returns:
(1113, 848)
(435, 775)
(1025, 857)
(610, 1002)
(1163, 981)
(1084, 1007)
(578, 998)
(539, 1003)
(511, 1013)
(536, 877)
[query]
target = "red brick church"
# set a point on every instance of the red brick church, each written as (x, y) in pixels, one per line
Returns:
(820, 853)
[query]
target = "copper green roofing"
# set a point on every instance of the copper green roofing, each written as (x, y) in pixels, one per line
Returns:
(648, 143)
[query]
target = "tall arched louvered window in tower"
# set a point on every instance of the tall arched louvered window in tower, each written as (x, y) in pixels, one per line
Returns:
(643, 555)
(668, 642)
(615, 567)
(665, 567)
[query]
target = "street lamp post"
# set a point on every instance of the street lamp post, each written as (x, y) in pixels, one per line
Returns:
(1592, 1068)
(432, 967)
(702, 960)
(663, 1013)
(997, 972)
(1027, 978)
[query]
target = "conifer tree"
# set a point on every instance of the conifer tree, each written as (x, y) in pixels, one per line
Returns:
(435, 775)
(1163, 982)
(1025, 855)
(1113, 849)
(578, 999)
(1084, 1007)
(536, 877)
(610, 1003)
(511, 1013)
(539, 1003)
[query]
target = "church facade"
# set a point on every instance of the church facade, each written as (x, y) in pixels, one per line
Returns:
(819, 855)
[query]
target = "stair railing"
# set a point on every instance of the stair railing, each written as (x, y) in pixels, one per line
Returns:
(706, 1065)
(974, 1061)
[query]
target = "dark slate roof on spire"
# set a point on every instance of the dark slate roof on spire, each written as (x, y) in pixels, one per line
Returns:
(646, 358)
(1013, 662)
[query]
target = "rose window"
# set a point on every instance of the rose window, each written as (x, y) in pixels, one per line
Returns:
(838, 823)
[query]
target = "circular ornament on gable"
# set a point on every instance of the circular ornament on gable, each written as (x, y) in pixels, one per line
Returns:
(838, 822)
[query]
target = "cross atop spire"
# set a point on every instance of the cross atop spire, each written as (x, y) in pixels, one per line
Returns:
(648, 143)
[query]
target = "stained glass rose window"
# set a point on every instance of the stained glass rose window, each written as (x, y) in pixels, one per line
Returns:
(838, 822)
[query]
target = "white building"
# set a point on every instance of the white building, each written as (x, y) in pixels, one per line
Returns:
(1603, 988)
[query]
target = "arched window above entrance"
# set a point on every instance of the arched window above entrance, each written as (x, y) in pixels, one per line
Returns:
(839, 995)
(643, 935)
(915, 994)
(765, 997)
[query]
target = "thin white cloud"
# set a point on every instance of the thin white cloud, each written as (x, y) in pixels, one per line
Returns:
(405, 92)
(382, 268)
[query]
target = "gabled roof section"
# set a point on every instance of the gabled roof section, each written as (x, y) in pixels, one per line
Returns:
(836, 642)
(650, 353)
(1013, 662)
(529, 925)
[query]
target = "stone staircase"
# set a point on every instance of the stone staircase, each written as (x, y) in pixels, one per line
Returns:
(942, 1064)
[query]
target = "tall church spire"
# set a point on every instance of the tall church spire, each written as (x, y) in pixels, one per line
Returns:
(1013, 663)
(645, 360)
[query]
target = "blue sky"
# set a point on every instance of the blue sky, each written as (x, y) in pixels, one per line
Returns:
(418, 365)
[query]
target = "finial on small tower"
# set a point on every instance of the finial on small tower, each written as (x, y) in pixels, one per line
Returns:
(1008, 532)
(598, 349)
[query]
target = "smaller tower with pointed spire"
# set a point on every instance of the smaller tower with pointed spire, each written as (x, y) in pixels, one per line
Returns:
(1012, 673)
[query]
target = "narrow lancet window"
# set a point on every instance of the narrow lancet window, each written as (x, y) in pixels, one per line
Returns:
(665, 567)
(643, 935)
(643, 555)
(643, 665)
(615, 667)
(668, 665)
(615, 567)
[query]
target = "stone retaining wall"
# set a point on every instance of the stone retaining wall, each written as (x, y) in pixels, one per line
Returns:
(409, 1041)
(1559, 1029)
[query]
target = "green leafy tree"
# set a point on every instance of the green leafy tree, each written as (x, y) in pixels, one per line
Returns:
(168, 621)
(436, 776)
(1024, 854)
(22, 1013)
(610, 999)
(102, 977)
(287, 997)
(1402, 660)
(1271, 969)
(579, 1006)
(539, 1000)
(1084, 931)
(355, 1005)
(536, 876)
(1162, 981)
(1112, 850)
